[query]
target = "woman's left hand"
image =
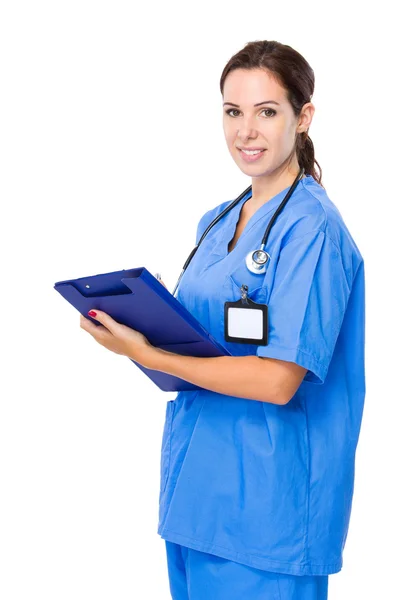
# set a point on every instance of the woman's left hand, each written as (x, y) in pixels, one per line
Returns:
(118, 338)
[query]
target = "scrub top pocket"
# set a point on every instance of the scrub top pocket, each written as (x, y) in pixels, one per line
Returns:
(257, 290)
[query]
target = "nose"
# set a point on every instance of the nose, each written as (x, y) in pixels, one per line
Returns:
(246, 129)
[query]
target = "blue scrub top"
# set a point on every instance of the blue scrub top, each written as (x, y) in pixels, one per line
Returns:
(265, 485)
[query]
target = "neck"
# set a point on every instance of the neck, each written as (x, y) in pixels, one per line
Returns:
(264, 188)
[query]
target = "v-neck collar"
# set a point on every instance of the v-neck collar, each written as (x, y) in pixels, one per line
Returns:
(230, 227)
(229, 222)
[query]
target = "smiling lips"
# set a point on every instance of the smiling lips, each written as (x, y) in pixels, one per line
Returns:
(252, 154)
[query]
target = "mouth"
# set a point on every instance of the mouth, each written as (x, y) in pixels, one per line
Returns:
(250, 150)
(250, 156)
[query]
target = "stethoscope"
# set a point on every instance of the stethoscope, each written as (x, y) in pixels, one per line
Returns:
(257, 260)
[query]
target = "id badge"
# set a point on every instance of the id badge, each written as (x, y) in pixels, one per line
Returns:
(245, 321)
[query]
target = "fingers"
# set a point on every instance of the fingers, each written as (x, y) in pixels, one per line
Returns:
(84, 323)
(105, 319)
(90, 327)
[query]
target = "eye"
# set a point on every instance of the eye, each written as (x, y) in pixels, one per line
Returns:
(274, 112)
(271, 110)
(227, 112)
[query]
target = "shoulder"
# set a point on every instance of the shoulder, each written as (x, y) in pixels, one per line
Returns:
(213, 212)
(314, 210)
(209, 216)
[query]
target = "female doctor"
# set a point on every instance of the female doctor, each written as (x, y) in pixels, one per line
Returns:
(257, 465)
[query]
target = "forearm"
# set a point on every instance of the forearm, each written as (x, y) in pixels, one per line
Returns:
(241, 376)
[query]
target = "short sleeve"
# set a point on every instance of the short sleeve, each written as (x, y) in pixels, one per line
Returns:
(307, 304)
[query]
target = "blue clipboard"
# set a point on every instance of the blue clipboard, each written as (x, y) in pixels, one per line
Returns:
(134, 297)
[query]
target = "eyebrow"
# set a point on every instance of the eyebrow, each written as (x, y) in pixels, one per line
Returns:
(258, 104)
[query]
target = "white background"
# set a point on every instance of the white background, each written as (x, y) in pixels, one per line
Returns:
(112, 148)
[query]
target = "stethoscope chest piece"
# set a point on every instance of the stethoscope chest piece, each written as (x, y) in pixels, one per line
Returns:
(257, 261)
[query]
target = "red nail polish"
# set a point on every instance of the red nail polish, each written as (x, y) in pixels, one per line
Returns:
(92, 313)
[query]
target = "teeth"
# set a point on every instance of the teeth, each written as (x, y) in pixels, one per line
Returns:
(251, 152)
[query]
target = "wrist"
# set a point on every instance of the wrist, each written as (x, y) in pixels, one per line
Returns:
(147, 356)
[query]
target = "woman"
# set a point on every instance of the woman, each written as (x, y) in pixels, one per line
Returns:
(257, 465)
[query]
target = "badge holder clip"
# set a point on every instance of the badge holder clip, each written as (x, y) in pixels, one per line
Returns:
(246, 321)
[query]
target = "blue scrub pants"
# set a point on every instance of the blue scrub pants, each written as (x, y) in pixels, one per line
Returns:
(195, 575)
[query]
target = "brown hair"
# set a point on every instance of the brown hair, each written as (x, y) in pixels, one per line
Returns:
(293, 72)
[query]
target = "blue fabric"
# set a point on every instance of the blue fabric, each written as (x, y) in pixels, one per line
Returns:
(195, 575)
(265, 485)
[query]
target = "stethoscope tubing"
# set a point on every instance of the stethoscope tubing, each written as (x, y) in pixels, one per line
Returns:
(230, 207)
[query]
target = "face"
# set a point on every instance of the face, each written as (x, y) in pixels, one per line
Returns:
(249, 121)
